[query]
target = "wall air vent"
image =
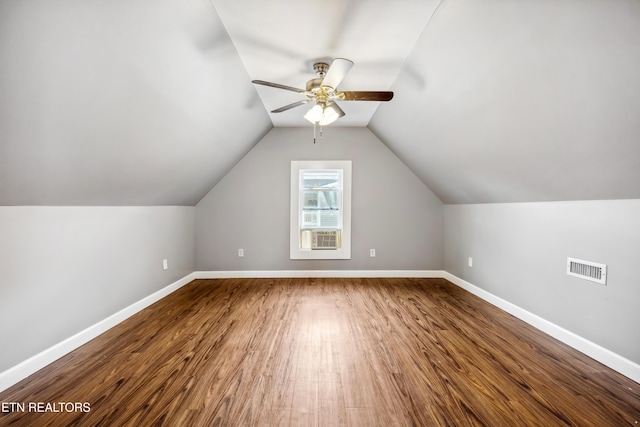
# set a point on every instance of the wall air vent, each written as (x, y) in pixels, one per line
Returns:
(587, 270)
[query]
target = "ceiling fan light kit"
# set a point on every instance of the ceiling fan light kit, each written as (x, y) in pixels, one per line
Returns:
(322, 91)
(323, 115)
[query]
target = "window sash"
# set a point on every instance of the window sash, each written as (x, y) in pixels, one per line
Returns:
(321, 199)
(331, 197)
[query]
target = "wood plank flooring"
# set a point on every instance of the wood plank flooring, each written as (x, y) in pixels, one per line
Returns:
(329, 352)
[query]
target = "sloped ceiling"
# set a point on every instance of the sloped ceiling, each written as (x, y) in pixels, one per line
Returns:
(521, 101)
(104, 102)
(280, 40)
(150, 102)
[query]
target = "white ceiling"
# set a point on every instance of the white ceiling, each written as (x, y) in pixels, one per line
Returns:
(280, 40)
(149, 102)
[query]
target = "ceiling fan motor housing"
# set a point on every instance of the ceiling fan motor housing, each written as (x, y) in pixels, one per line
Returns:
(314, 84)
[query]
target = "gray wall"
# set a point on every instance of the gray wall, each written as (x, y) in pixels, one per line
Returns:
(63, 269)
(519, 254)
(392, 210)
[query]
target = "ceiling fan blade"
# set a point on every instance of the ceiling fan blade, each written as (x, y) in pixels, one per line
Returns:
(278, 85)
(290, 106)
(338, 69)
(366, 96)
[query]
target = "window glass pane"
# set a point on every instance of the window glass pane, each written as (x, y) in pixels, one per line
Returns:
(320, 198)
(320, 218)
(324, 179)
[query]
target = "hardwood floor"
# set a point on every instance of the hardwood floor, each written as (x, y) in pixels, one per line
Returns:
(359, 352)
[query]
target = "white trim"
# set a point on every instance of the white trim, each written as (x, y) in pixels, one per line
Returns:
(260, 274)
(344, 252)
(33, 364)
(608, 358)
(614, 361)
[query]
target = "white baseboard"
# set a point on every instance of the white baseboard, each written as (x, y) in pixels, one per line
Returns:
(614, 361)
(259, 274)
(22, 370)
(608, 358)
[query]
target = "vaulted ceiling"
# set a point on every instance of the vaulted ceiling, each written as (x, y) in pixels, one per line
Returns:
(142, 102)
(150, 102)
(522, 101)
(280, 40)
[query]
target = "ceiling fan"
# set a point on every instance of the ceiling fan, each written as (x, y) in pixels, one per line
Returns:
(323, 92)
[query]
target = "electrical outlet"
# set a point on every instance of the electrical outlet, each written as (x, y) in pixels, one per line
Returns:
(240, 253)
(372, 253)
(165, 264)
(470, 262)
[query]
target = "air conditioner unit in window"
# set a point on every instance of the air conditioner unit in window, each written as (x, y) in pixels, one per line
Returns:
(325, 239)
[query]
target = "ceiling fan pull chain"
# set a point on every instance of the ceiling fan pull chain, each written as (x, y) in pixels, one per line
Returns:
(314, 132)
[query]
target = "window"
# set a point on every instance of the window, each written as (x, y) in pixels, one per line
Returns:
(320, 210)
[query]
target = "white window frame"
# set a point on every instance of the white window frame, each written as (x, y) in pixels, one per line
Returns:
(344, 252)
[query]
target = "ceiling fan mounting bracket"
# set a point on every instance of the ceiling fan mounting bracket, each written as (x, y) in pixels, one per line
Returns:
(321, 68)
